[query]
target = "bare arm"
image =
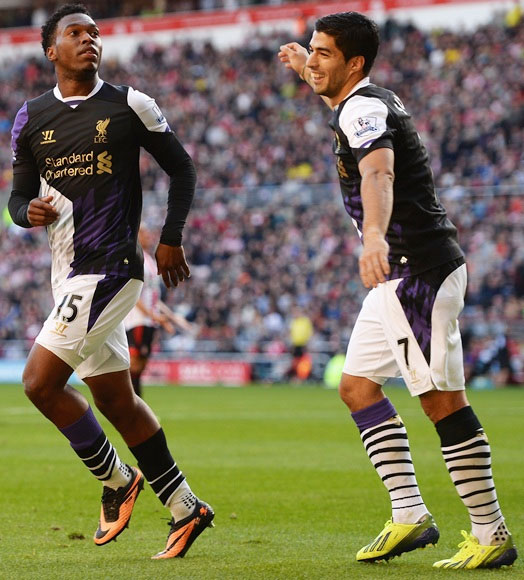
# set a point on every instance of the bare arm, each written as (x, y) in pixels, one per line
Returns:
(377, 200)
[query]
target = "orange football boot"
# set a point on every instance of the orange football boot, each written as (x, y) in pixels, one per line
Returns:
(183, 533)
(117, 507)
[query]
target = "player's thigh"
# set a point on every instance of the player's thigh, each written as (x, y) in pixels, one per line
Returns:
(112, 389)
(420, 322)
(369, 353)
(447, 360)
(44, 371)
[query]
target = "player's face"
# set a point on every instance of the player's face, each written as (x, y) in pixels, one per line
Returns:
(330, 75)
(77, 48)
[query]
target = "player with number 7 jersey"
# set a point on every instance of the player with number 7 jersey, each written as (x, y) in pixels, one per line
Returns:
(408, 324)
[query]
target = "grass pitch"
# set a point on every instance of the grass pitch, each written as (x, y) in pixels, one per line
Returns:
(293, 490)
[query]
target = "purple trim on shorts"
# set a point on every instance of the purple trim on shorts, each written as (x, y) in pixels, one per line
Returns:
(84, 432)
(417, 298)
(374, 414)
(105, 291)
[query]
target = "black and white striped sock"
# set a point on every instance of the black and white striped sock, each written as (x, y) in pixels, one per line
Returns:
(103, 462)
(162, 474)
(467, 454)
(387, 446)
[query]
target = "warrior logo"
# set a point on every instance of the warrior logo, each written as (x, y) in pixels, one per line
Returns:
(48, 137)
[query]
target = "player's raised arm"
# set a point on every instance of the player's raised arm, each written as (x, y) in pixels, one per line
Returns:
(294, 57)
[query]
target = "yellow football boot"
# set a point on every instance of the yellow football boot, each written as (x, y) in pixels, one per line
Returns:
(474, 555)
(395, 539)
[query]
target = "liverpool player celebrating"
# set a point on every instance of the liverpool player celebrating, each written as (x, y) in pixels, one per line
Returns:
(78, 145)
(408, 322)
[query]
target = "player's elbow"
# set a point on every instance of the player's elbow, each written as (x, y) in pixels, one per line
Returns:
(386, 174)
(378, 180)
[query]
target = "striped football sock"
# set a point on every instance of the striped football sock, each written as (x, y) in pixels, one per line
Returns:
(386, 442)
(163, 475)
(90, 443)
(467, 455)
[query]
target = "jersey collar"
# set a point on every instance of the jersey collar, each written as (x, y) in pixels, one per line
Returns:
(58, 94)
(362, 83)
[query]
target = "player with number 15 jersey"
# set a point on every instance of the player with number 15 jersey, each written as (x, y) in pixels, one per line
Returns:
(84, 151)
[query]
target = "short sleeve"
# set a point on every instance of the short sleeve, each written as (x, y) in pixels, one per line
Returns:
(147, 111)
(364, 122)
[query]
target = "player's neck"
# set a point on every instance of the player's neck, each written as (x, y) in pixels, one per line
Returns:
(352, 81)
(70, 87)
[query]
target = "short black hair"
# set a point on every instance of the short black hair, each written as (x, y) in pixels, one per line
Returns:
(354, 34)
(49, 28)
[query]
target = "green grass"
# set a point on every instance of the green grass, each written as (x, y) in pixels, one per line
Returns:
(294, 494)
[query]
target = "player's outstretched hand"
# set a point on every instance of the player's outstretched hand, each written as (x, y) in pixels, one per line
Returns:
(171, 264)
(40, 212)
(294, 56)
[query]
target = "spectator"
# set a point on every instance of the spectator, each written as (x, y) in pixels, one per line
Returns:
(259, 246)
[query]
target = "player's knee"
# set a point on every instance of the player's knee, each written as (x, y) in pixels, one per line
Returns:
(359, 392)
(348, 392)
(439, 404)
(34, 388)
(344, 393)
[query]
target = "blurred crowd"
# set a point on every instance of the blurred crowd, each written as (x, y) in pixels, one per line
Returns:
(268, 239)
(35, 13)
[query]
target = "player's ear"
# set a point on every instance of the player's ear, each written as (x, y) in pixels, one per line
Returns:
(51, 53)
(357, 63)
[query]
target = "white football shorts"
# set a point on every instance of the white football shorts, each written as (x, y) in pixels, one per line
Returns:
(85, 328)
(408, 327)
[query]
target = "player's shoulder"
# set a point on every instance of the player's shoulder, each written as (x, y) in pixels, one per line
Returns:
(40, 103)
(390, 99)
(142, 105)
(28, 114)
(372, 100)
(147, 111)
(113, 93)
(369, 100)
(370, 96)
(373, 91)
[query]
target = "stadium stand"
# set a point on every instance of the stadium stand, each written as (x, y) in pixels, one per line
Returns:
(268, 231)
(16, 13)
